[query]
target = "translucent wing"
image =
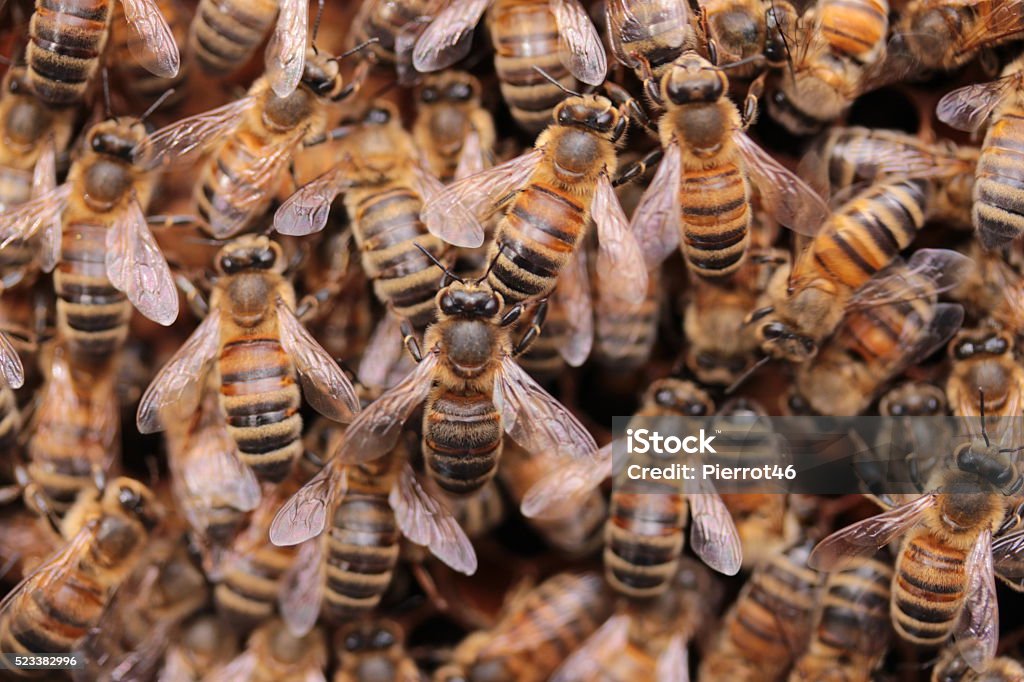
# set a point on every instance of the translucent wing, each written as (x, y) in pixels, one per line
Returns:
(625, 26)
(567, 486)
(427, 522)
(44, 180)
(978, 631)
(302, 588)
(306, 211)
(174, 143)
(304, 515)
(1008, 559)
(656, 220)
(242, 667)
(1002, 20)
(573, 293)
(136, 265)
(24, 220)
(11, 369)
(673, 664)
(324, 385)
(943, 269)
(586, 662)
(375, 431)
(215, 475)
(868, 536)
(425, 183)
(581, 48)
(286, 51)
(787, 198)
(471, 158)
(180, 382)
(713, 535)
(449, 36)
(456, 214)
(620, 262)
(382, 352)
(536, 420)
(156, 50)
(968, 108)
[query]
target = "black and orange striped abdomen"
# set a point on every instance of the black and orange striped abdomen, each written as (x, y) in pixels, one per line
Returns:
(855, 29)
(247, 594)
(643, 540)
(998, 212)
(225, 33)
(462, 439)
(66, 39)
(715, 211)
(261, 402)
(385, 21)
(55, 619)
(222, 195)
(929, 590)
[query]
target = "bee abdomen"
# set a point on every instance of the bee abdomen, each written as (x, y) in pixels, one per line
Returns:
(579, 595)
(247, 595)
(225, 33)
(998, 211)
(643, 541)
(222, 185)
(362, 553)
(461, 441)
(261, 402)
(855, 28)
(66, 38)
(716, 217)
(928, 593)
(53, 620)
(10, 419)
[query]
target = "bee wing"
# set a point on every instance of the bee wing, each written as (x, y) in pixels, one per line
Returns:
(11, 369)
(180, 382)
(427, 522)
(673, 664)
(455, 215)
(304, 515)
(44, 180)
(471, 158)
(382, 352)
(24, 220)
(1008, 559)
(156, 50)
(425, 183)
(573, 293)
(581, 49)
(567, 486)
(376, 430)
(620, 262)
(866, 537)
(1001, 20)
(449, 36)
(242, 667)
(585, 663)
(901, 281)
(623, 22)
(656, 222)
(215, 474)
(969, 107)
(286, 51)
(787, 198)
(302, 588)
(713, 535)
(176, 142)
(978, 631)
(136, 265)
(306, 211)
(324, 385)
(536, 420)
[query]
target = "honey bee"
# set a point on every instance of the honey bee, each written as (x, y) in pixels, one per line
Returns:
(995, 214)
(373, 650)
(393, 26)
(95, 227)
(749, 35)
(852, 264)
(549, 622)
(253, 334)
(11, 369)
(106, 535)
(136, 81)
(66, 40)
(772, 615)
(273, 654)
(699, 199)
(556, 188)
(453, 131)
(951, 667)
(649, 35)
(625, 332)
(531, 38)
(205, 643)
(851, 631)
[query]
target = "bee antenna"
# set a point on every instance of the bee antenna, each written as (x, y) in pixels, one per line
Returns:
(358, 48)
(981, 400)
(735, 64)
(156, 105)
(551, 79)
(746, 375)
(501, 248)
(106, 93)
(433, 259)
(316, 23)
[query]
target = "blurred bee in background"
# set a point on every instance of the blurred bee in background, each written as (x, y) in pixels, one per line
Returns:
(136, 81)
(273, 654)
(986, 376)
(993, 288)
(751, 36)
(649, 35)
(548, 622)
(394, 26)
(952, 667)
(67, 40)
(625, 332)
(542, 48)
(453, 131)
(253, 334)
(373, 650)
(205, 643)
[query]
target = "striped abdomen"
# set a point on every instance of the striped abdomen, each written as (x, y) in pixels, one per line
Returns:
(929, 589)
(387, 228)
(91, 314)
(362, 550)
(538, 234)
(261, 401)
(247, 594)
(53, 620)
(137, 82)
(625, 333)
(223, 186)
(998, 212)
(544, 358)
(643, 540)
(66, 39)
(461, 440)
(10, 419)
(715, 210)
(855, 28)
(525, 36)
(385, 21)
(225, 33)
(15, 188)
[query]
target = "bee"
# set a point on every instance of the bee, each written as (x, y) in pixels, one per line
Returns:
(225, 33)
(555, 189)
(253, 334)
(549, 621)
(11, 370)
(94, 226)
(649, 35)
(393, 26)
(454, 132)
(983, 358)
(772, 615)
(273, 654)
(67, 39)
(205, 643)
(644, 531)
(373, 650)
(951, 667)
(845, 268)
(136, 81)
(699, 199)
(531, 38)
(106, 536)
(995, 213)
(751, 34)
(625, 332)
(992, 289)
(851, 629)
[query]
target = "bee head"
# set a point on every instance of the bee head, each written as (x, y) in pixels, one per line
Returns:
(470, 300)
(320, 74)
(682, 397)
(250, 252)
(595, 113)
(778, 340)
(692, 79)
(117, 137)
(968, 345)
(913, 399)
(456, 87)
(363, 637)
(134, 499)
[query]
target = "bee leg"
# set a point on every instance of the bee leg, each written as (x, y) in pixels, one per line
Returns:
(534, 330)
(652, 87)
(10, 493)
(620, 96)
(410, 341)
(750, 103)
(712, 46)
(638, 168)
(163, 221)
(38, 502)
(353, 86)
(193, 296)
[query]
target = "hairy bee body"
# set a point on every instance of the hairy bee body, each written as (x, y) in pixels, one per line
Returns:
(225, 33)
(386, 21)
(953, 668)
(625, 333)
(937, 34)
(856, 29)
(449, 112)
(996, 211)
(10, 419)
(749, 31)
(66, 39)
(983, 358)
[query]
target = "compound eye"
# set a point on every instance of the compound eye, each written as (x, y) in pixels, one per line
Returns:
(996, 345)
(967, 459)
(1003, 478)
(264, 259)
(378, 115)
(230, 265)
(460, 92)
(129, 499)
(705, 361)
(664, 397)
(696, 409)
(491, 307)
(933, 404)
(897, 410)
(964, 350)
(97, 143)
(564, 116)
(383, 639)
(353, 641)
(429, 95)
(448, 304)
(773, 330)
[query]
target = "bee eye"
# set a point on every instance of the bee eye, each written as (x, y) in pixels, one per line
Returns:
(933, 404)
(705, 361)
(967, 459)
(460, 92)
(564, 117)
(378, 115)
(897, 410)
(382, 639)
(97, 143)
(996, 345)
(448, 304)
(353, 641)
(264, 259)
(491, 307)
(229, 265)
(963, 350)
(664, 397)
(1003, 478)
(773, 330)
(696, 409)
(428, 95)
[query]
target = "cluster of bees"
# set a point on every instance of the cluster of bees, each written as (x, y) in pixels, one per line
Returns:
(379, 416)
